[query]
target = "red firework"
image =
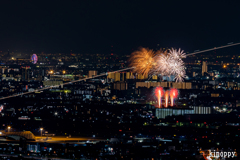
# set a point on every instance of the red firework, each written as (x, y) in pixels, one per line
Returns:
(159, 94)
(166, 98)
(173, 95)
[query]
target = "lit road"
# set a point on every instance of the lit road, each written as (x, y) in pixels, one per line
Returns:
(30, 157)
(67, 139)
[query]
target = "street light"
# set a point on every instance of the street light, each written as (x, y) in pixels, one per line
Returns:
(41, 132)
(64, 72)
(9, 128)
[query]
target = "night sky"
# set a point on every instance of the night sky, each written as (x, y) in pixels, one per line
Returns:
(94, 26)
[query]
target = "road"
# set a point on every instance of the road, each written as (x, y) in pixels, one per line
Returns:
(30, 157)
(67, 139)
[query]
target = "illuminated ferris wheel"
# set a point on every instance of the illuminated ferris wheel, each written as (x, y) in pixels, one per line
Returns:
(34, 58)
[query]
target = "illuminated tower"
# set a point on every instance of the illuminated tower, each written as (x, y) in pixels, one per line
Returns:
(25, 74)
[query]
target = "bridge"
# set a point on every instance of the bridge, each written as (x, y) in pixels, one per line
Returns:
(26, 135)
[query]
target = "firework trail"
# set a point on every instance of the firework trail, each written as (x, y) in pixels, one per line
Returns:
(173, 95)
(166, 98)
(159, 93)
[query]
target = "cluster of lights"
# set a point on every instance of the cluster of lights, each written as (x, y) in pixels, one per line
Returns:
(51, 72)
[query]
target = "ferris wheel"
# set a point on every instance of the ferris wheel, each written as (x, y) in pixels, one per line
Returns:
(34, 58)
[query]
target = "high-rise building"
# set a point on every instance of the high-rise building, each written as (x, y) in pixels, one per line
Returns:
(128, 75)
(52, 83)
(92, 73)
(110, 76)
(214, 94)
(140, 76)
(25, 74)
(188, 85)
(117, 76)
(183, 85)
(120, 86)
(201, 110)
(154, 77)
(164, 112)
(231, 84)
(164, 84)
(122, 77)
(204, 67)
(146, 76)
(131, 76)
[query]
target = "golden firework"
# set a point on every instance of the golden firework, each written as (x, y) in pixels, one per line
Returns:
(142, 61)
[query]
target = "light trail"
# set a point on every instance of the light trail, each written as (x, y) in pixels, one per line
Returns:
(16, 95)
(36, 90)
(211, 49)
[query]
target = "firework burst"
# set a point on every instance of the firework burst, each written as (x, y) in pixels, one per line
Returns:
(162, 63)
(176, 64)
(142, 60)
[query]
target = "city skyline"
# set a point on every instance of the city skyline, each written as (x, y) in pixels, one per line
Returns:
(119, 80)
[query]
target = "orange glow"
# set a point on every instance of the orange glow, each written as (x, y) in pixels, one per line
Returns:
(173, 95)
(142, 60)
(159, 93)
(166, 98)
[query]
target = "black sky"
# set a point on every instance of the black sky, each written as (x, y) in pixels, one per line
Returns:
(94, 26)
